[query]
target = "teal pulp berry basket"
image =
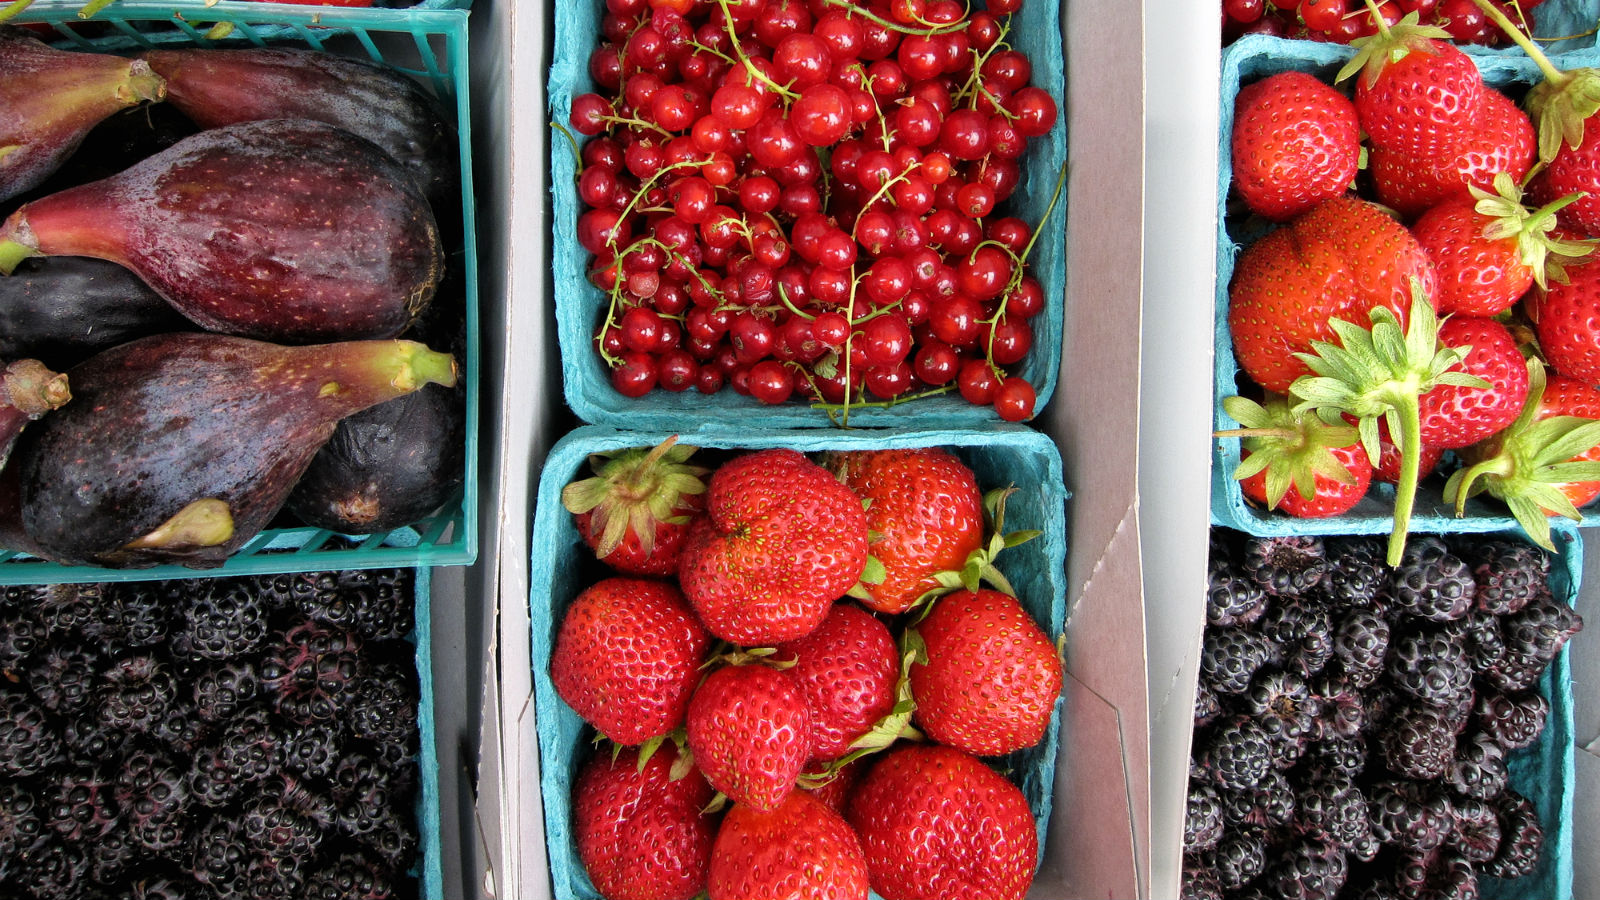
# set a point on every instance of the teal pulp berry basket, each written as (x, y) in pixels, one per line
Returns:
(1246, 61)
(1036, 30)
(430, 864)
(1560, 26)
(430, 45)
(561, 566)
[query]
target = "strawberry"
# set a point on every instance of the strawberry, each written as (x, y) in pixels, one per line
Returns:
(846, 670)
(627, 657)
(638, 825)
(1490, 249)
(833, 785)
(1387, 467)
(635, 511)
(1417, 91)
(1566, 317)
(1500, 141)
(1456, 415)
(1545, 463)
(1325, 464)
(986, 677)
(782, 539)
(937, 824)
(1295, 143)
(800, 851)
(1339, 261)
(924, 512)
(749, 729)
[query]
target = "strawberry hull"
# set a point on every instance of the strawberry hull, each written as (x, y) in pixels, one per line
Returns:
(562, 565)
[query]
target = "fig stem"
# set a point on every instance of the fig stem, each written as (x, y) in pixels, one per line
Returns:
(93, 7)
(13, 8)
(12, 254)
(418, 366)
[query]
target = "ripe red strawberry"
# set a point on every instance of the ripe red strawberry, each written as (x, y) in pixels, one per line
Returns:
(1297, 463)
(1454, 415)
(846, 670)
(641, 833)
(627, 657)
(800, 851)
(990, 676)
(938, 824)
(1565, 396)
(1500, 141)
(833, 786)
(1339, 261)
(1575, 169)
(925, 514)
(749, 731)
(1417, 91)
(635, 511)
(1566, 317)
(1295, 143)
(781, 540)
(1490, 249)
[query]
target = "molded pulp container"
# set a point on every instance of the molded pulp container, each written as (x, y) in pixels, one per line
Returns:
(127, 24)
(429, 45)
(430, 877)
(581, 307)
(1248, 60)
(562, 566)
(1560, 26)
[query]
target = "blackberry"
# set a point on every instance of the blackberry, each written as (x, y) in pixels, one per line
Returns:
(78, 804)
(349, 875)
(63, 678)
(1240, 856)
(380, 601)
(1479, 769)
(1539, 630)
(20, 823)
(1337, 756)
(384, 707)
(1418, 742)
(1303, 632)
(285, 820)
(115, 854)
(130, 615)
(1360, 643)
(1357, 571)
(1286, 566)
(367, 801)
(1416, 816)
(1431, 582)
(152, 792)
(1515, 671)
(1342, 708)
(1239, 753)
(1284, 696)
(1207, 706)
(1230, 658)
(1483, 640)
(218, 618)
(1202, 821)
(245, 752)
(269, 877)
(135, 692)
(20, 635)
(1270, 803)
(1507, 573)
(21, 596)
(66, 610)
(85, 738)
(1232, 597)
(1515, 720)
(1199, 882)
(1431, 667)
(1440, 875)
(1332, 807)
(1477, 830)
(310, 751)
(161, 885)
(309, 671)
(1521, 838)
(222, 689)
(219, 856)
(1308, 869)
(283, 591)
(29, 742)
(54, 869)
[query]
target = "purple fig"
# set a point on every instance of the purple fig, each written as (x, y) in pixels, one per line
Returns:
(65, 309)
(50, 99)
(377, 101)
(286, 230)
(180, 448)
(28, 390)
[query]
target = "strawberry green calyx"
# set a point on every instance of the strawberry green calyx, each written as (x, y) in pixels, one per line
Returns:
(1389, 44)
(1526, 465)
(979, 568)
(1292, 448)
(635, 489)
(1534, 230)
(1561, 103)
(1380, 373)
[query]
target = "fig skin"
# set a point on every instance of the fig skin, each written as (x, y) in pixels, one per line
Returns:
(63, 310)
(180, 448)
(285, 230)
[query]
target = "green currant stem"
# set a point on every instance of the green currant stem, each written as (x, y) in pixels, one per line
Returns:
(879, 194)
(650, 182)
(853, 9)
(733, 36)
(789, 304)
(882, 404)
(713, 51)
(638, 123)
(577, 155)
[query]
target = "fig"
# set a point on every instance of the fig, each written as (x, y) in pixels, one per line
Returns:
(180, 448)
(283, 230)
(62, 310)
(372, 99)
(28, 390)
(50, 99)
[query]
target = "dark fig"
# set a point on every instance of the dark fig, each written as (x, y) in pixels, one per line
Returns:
(180, 448)
(286, 230)
(28, 390)
(372, 99)
(50, 99)
(124, 138)
(62, 310)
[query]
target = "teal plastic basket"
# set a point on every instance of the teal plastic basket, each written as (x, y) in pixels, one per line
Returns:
(562, 565)
(1248, 60)
(581, 307)
(430, 46)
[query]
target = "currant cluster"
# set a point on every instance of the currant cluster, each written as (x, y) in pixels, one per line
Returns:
(799, 199)
(1342, 21)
